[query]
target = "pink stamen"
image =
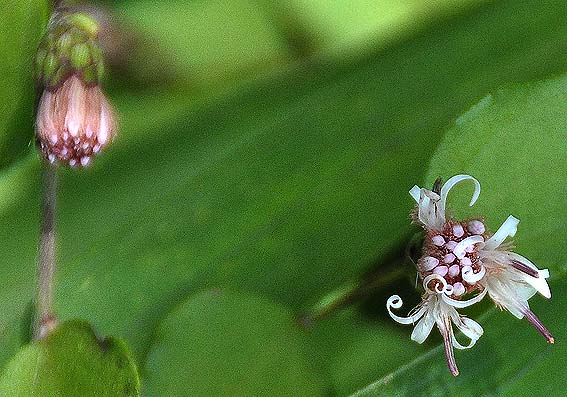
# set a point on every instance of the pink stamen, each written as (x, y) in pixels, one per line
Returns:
(476, 227)
(466, 261)
(449, 258)
(532, 318)
(458, 289)
(524, 268)
(429, 263)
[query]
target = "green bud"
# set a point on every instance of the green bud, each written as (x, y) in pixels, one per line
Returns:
(70, 46)
(80, 57)
(64, 43)
(100, 70)
(50, 65)
(95, 52)
(84, 23)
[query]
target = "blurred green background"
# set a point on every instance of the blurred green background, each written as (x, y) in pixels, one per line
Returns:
(261, 171)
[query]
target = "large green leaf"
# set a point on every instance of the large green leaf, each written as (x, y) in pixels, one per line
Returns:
(22, 24)
(521, 172)
(356, 350)
(71, 361)
(222, 343)
(279, 190)
(514, 142)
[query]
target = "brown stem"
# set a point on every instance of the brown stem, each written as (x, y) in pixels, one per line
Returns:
(45, 318)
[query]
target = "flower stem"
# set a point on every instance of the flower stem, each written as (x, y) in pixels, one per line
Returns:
(45, 318)
(353, 292)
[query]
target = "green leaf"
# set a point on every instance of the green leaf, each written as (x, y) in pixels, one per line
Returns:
(514, 142)
(511, 358)
(356, 350)
(286, 189)
(71, 361)
(22, 24)
(221, 343)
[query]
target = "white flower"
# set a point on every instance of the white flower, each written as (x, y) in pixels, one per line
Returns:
(512, 279)
(438, 309)
(459, 258)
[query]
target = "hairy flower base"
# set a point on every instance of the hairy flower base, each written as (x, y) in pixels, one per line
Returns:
(74, 122)
(460, 258)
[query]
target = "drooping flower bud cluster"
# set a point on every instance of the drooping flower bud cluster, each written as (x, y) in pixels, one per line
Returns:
(74, 119)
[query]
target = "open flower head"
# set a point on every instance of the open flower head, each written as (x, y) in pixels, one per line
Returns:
(460, 264)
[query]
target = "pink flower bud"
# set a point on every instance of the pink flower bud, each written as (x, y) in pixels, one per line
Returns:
(74, 122)
(438, 240)
(458, 230)
(476, 227)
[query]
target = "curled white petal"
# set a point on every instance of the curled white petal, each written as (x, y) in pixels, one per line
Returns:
(460, 248)
(415, 193)
(423, 328)
(452, 182)
(396, 302)
(508, 228)
(461, 304)
(444, 285)
(470, 276)
(457, 345)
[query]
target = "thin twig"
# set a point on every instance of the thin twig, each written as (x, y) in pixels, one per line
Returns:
(45, 317)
